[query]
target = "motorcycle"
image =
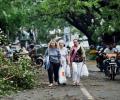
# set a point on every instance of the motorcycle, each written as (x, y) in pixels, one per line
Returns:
(38, 60)
(112, 67)
(99, 60)
(36, 57)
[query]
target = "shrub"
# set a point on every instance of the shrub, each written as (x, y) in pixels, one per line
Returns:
(16, 76)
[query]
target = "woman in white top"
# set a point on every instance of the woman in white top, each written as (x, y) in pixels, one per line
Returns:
(64, 55)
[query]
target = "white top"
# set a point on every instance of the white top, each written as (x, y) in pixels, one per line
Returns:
(107, 50)
(63, 53)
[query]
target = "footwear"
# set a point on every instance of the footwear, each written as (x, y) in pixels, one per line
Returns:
(78, 84)
(56, 83)
(50, 85)
(64, 84)
(74, 83)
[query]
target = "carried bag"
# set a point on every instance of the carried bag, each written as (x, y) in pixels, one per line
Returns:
(62, 77)
(46, 62)
(84, 70)
(68, 72)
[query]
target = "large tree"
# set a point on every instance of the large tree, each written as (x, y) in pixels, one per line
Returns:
(13, 14)
(92, 17)
(24, 13)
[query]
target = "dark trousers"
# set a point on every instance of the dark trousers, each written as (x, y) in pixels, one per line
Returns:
(53, 70)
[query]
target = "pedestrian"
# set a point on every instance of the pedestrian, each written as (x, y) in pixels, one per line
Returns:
(64, 57)
(107, 54)
(32, 53)
(54, 60)
(77, 59)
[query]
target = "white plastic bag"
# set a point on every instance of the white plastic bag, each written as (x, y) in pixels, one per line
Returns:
(84, 70)
(68, 72)
(62, 77)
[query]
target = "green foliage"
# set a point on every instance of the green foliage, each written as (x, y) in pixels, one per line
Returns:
(46, 15)
(14, 14)
(106, 16)
(109, 20)
(30, 14)
(3, 38)
(16, 76)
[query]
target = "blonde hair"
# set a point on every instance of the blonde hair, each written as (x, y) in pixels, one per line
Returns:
(52, 41)
(61, 41)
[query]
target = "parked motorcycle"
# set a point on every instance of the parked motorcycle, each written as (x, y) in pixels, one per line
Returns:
(36, 57)
(39, 60)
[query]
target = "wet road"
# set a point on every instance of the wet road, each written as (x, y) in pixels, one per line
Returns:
(94, 87)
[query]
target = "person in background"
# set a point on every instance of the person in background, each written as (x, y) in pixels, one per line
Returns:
(24, 52)
(109, 50)
(77, 59)
(55, 60)
(32, 53)
(64, 55)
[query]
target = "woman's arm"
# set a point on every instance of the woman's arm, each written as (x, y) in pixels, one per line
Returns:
(59, 55)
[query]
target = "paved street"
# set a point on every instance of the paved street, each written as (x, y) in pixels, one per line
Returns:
(95, 87)
(100, 87)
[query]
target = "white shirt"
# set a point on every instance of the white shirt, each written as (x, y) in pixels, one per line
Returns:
(63, 53)
(107, 50)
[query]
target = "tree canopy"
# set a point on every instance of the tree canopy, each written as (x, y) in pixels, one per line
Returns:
(93, 18)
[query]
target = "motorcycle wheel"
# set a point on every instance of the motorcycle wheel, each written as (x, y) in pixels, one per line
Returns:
(39, 63)
(100, 67)
(112, 75)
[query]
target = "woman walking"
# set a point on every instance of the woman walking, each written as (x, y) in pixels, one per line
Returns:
(54, 59)
(77, 58)
(64, 57)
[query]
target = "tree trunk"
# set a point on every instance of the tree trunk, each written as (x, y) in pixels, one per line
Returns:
(80, 25)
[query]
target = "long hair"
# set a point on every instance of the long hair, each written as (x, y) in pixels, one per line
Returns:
(80, 52)
(52, 41)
